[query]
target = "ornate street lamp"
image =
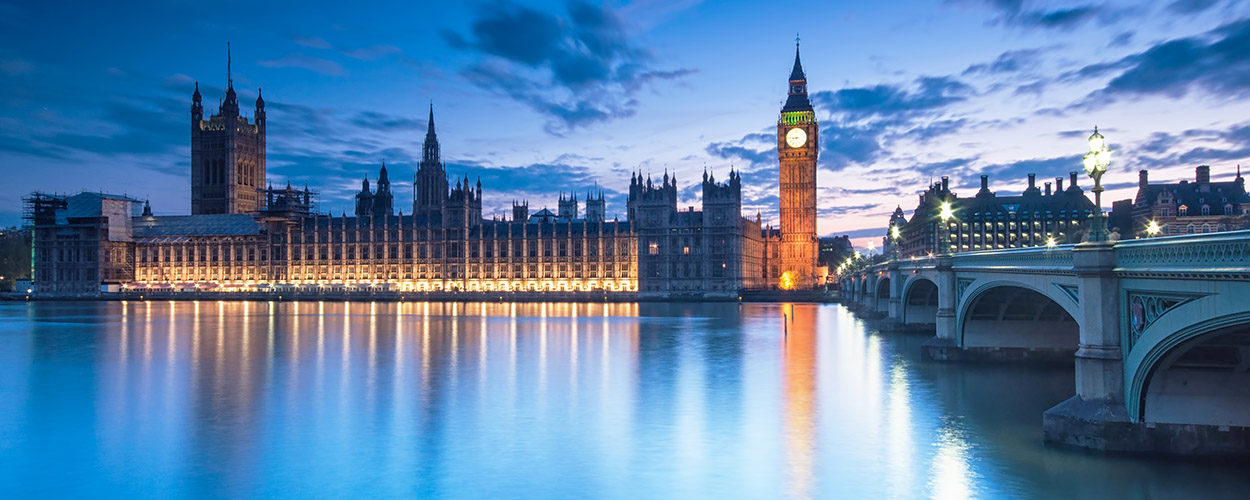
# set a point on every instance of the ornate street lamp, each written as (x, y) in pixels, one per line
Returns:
(946, 213)
(1096, 162)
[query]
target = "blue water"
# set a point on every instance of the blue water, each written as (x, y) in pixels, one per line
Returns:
(237, 399)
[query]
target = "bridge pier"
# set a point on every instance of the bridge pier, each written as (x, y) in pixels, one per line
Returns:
(1096, 417)
(894, 318)
(944, 346)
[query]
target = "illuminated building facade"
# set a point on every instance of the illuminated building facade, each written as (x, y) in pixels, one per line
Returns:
(243, 235)
(988, 221)
(798, 144)
(1188, 207)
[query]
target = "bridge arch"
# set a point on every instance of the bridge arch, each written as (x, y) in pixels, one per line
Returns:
(882, 300)
(919, 302)
(1195, 374)
(1010, 314)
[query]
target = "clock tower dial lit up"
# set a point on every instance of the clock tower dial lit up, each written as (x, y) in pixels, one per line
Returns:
(798, 145)
(796, 137)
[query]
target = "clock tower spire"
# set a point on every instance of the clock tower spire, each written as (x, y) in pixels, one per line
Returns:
(798, 141)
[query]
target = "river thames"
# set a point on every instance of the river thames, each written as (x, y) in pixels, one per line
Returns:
(244, 399)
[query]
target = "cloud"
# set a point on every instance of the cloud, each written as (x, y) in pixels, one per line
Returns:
(1012, 61)
(1191, 6)
(315, 64)
(928, 93)
(577, 70)
(1214, 63)
(1014, 13)
(374, 120)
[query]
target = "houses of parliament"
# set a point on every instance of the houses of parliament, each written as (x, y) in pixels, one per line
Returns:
(245, 235)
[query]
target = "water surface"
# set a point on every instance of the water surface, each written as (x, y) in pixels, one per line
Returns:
(241, 399)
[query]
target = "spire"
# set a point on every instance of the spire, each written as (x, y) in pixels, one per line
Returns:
(797, 72)
(229, 75)
(430, 154)
(429, 132)
(382, 174)
(196, 96)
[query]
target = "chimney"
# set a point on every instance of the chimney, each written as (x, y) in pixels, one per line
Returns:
(1047, 189)
(1072, 178)
(945, 183)
(1032, 181)
(1058, 184)
(985, 182)
(1204, 174)
(1142, 178)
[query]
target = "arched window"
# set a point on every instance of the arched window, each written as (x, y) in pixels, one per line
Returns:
(1189, 229)
(1183, 210)
(1206, 228)
(1206, 210)
(1228, 209)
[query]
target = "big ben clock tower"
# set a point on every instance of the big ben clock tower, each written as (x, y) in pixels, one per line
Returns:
(798, 143)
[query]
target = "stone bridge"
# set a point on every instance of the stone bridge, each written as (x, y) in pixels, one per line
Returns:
(1158, 329)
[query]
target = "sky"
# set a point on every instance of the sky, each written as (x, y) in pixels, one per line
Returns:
(538, 97)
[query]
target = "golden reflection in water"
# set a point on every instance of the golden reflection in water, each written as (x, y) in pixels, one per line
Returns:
(800, 393)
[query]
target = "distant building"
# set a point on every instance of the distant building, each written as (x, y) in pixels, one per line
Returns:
(715, 252)
(244, 235)
(1188, 207)
(227, 156)
(988, 221)
(82, 244)
(833, 250)
(798, 146)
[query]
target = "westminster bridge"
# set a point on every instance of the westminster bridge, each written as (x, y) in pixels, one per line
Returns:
(1159, 330)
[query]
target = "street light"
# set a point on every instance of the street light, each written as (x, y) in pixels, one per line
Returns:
(945, 212)
(895, 235)
(1096, 162)
(1153, 229)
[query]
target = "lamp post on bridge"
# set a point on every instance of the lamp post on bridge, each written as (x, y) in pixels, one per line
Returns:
(945, 213)
(1096, 162)
(894, 237)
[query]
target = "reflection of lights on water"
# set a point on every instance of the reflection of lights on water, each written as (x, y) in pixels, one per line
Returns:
(898, 422)
(951, 476)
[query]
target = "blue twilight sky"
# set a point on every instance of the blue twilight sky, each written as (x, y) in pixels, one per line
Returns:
(538, 97)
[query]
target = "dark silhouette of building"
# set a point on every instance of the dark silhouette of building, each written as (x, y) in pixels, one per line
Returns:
(715, 252)
(227, 155)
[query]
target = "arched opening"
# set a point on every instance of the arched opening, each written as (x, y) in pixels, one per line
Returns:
(883, 296)
(920, 304)
(1017, 317)
(1205, 380)
(863, 290)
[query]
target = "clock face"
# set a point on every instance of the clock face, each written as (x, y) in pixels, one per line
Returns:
(796, 138)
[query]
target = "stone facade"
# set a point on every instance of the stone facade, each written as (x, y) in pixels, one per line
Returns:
(1188, 207)
(988, 221)
(798, 145)
(227, 156)
(712, 253)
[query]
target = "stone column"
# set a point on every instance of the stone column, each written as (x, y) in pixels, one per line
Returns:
(945, 345)
(894, 316)
(946, 328)
(1096, 417)
(1099, 361)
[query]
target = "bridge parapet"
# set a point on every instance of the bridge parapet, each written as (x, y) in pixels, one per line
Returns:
(1209, 256)
(1049, 260)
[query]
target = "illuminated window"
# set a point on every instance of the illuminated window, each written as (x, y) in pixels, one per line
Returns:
(685, 250)
(653, 248)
